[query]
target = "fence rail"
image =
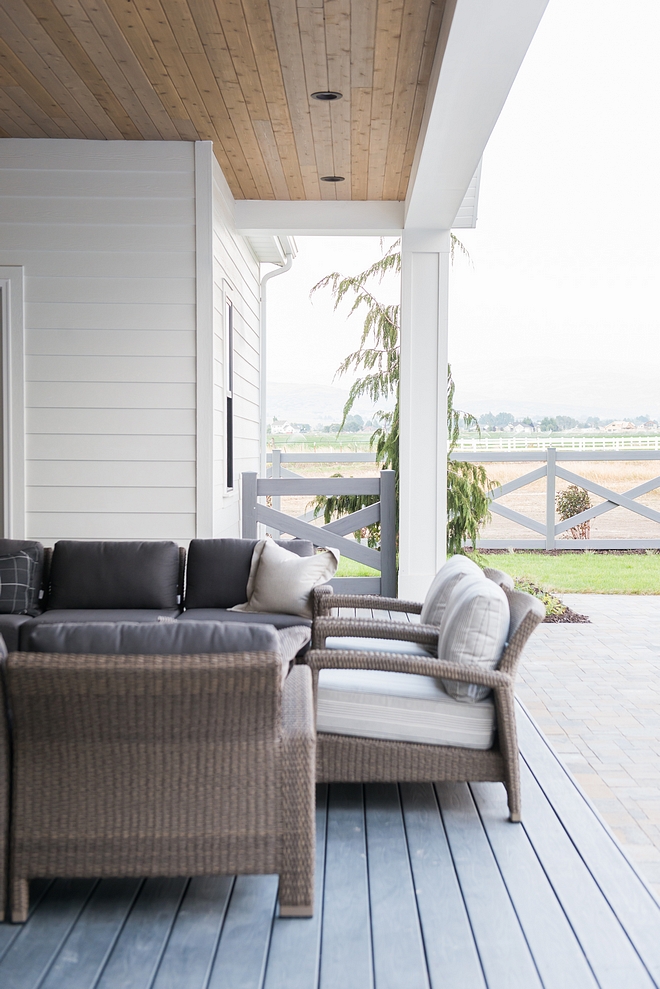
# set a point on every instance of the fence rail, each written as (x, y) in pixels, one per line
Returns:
(333, 533)
(512, 444)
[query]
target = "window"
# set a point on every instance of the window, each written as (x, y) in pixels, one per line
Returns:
(229, 422)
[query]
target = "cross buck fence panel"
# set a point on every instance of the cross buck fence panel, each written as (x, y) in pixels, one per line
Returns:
(552, 470)
(334, 533)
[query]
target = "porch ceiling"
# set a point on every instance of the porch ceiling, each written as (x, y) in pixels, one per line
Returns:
(237, 72)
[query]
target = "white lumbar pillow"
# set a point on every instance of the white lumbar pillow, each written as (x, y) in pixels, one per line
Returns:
(281, 582)
(444, 582)
(474, 630)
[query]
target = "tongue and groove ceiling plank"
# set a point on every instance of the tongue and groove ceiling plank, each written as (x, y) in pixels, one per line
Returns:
(239, 73)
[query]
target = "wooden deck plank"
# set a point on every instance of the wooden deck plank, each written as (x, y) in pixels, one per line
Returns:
(241, 958)
(557, 952)
(635, 906)
(504, 953)
(139, 948)
(613, 959)
(88, 946)
(346, 956)
(399, 958)
(192, 945)
(9, 932)
(39, 940)
(451, 954)
(295, 946)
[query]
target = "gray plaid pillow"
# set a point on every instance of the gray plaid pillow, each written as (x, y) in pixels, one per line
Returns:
(18, 593)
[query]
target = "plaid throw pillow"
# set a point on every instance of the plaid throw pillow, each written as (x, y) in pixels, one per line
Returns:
(18, 594)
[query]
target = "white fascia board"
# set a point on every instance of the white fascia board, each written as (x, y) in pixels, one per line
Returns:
(466, 218)
(318, 218)
(477, 63)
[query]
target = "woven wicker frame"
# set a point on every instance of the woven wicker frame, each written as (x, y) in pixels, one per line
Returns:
(161, 766)
(5, 771)
(360, 760)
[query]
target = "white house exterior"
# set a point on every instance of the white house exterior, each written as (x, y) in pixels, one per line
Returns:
(126, 257)
(121, 259)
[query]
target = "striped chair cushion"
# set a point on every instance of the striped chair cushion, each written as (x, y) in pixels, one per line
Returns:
(474, 630)
(444, 582)
(403, 707)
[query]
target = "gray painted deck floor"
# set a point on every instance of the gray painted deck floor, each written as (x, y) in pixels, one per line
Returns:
(417, 886)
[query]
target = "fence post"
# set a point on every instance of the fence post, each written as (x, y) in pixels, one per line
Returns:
(276, 500)
(551, 459)
(249, 505)
(388, 580)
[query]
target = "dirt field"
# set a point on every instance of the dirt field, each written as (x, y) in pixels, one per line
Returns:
(619, 476)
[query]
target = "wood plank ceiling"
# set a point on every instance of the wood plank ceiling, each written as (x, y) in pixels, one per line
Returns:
(239, 73)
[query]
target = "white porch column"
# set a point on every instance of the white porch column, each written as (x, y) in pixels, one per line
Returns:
(423, 409)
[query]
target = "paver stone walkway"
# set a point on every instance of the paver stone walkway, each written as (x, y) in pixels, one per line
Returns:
(595, 692)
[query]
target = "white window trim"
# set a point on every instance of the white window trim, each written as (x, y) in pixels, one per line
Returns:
(13, 397)
(204, 363)
(228, 300)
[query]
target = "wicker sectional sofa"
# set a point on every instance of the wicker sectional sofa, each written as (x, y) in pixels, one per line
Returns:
(138, 583)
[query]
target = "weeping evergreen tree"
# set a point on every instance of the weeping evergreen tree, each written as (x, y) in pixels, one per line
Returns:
(468, 484)
(378, 357)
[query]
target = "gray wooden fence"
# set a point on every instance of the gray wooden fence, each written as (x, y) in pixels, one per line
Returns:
(334, 533)
(552, 469)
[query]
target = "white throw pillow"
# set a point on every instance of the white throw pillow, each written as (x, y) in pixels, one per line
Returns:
(474, 630)
(281, 582)
(444, 582)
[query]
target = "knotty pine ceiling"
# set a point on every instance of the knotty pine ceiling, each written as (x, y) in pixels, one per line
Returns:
(239, 73)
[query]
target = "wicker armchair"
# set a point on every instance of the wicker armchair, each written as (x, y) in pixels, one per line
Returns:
(161, 766)
(349, 758)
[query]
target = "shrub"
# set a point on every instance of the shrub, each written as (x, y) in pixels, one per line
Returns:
(571, 502)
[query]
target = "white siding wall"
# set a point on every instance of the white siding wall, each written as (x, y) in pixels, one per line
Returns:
(235, 276)
(106, 233)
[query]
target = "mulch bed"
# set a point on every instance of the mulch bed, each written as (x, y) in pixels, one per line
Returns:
(569, 616)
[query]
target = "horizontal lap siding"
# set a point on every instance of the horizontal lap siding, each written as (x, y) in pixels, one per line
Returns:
(106, 234)
(235, 275)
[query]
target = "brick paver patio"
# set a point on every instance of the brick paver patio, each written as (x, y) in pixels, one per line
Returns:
(595, 692)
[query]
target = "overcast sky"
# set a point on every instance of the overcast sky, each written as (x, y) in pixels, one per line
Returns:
(561, 306)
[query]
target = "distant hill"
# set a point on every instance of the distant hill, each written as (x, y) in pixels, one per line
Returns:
(311, 403)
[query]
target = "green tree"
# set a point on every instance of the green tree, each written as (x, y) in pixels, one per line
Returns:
(468, 486)
(378, 357)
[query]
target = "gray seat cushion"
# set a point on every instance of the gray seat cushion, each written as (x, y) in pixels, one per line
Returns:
(86, 615)
(114, 575)
(153, 639)
(217, 570)
(253, 617)
(10, 626)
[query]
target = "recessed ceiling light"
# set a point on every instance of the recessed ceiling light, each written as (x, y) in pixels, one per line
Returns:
(327, 96)
(332, 178)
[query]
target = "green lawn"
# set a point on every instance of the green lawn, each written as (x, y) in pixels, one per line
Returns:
(349, 568)
(583, 573)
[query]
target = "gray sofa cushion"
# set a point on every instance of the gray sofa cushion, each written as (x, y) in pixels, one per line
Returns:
(84, 616)
(253, 617)
(218, 569)
(153, 639)
(35, 551)
(114, 575)
(10, 627)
